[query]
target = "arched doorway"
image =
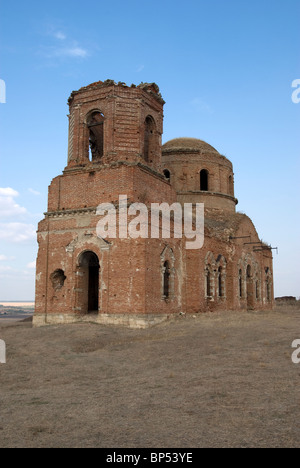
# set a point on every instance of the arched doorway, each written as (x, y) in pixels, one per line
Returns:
(89, 271)
(250, 296)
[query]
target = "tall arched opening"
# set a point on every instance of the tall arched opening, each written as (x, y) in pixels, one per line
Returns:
(149, 139)
(95, 124)
(88, 284)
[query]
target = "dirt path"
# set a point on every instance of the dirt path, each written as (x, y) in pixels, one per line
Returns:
(222, 380)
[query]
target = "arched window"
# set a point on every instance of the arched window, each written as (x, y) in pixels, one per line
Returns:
(220, 282)
(269, 291)
(167, 274)
(149, 138)
(240, 284)
(167, 174)
(208, 282)
(250, 290)
(167, 268)
(95, 123)
(204, 180)
(210, 271)
(268, 287)
(257, 290)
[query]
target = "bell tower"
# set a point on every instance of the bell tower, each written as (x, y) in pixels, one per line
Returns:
(111, 122)
(114, 150)
(114, 147)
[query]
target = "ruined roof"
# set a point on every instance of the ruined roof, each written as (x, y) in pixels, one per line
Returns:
(188, 145)
(224, 222)
(223, 225)
(151, 88)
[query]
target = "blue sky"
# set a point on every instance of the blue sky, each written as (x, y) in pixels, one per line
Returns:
(225, 70)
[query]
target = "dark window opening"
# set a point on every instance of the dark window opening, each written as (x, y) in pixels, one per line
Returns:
(220, 282)
(204, 180)
(167, 275)
(96, 137)
(257, 290)
(240, 284)
(268, 291)
(250, 290)
(208, 283)
(149, 139)
(167, 174)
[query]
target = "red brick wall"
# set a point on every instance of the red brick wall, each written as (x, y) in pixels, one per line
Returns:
(185, 168)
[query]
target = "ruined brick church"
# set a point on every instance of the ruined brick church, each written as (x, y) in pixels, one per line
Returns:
(115, 148)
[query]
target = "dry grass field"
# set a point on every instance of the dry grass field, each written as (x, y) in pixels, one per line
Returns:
(216, 380)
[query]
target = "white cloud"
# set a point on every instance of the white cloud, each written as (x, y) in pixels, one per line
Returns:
(60, 45)
(32, 265)
(8, 192)
(60, 35)
(140, 68)
(3, 258)
(8, 206)
(201, 106)
(34, 192)
(73, 51)
(64, 49)
(17, 232)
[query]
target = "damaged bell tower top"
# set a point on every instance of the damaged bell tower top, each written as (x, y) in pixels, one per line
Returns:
(129, 130)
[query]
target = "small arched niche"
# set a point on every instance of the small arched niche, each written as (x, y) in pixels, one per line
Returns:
(58, 279)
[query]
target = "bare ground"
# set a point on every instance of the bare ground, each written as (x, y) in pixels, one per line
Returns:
(217, 380)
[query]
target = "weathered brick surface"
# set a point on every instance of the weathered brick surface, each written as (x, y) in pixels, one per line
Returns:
(185, 158)
(132, 272)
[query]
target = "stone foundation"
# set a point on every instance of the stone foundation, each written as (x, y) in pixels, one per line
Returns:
(130, 321)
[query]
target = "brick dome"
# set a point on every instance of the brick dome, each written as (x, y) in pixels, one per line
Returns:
(188, 144)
